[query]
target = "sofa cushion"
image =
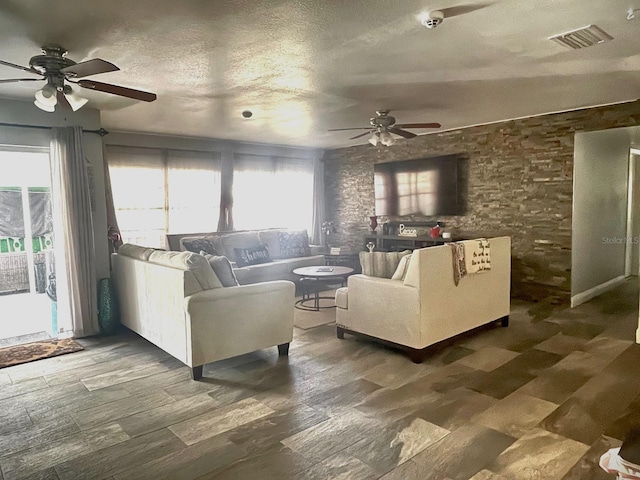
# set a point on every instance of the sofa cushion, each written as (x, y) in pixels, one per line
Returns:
(252, 255)
(294, 244)
(381, 264)
(198, 244)
(222, 268)
(403, 266)
(271, 239)
(237, 240)
(193, 262)
(135, 251)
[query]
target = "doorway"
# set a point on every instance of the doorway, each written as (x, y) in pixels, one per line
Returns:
(27, 262)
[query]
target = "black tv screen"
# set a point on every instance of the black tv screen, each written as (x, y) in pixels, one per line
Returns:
(426, 187)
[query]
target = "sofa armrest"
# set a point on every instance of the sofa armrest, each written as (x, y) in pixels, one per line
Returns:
(383, 308)
(231, 321)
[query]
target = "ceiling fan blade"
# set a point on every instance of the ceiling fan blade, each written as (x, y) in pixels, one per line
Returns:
(90, 67)
(402, 133)
(418, 125)
(118, 90)
(62, 101)
(20, 67)
(342, 129)
(22, 80)
(361, 135)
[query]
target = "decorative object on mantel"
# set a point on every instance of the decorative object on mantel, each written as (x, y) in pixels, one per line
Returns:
(435, 231)
(327, 229)
(371, 246)
(373, 222)
(406, 232)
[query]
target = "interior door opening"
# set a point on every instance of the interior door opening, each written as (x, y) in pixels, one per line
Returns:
(27, 264)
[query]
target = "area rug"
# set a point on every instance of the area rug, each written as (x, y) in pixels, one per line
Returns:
(308, 319)
(30, 352)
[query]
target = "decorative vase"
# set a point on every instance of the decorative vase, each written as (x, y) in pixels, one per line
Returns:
(373, 222)
(108, 315)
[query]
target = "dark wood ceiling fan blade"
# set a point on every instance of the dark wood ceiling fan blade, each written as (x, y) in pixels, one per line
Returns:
(418, 125)
(20, 67)
(343, 129)
(361, 135)
(62, 101)
(118, 90)
(402, 133)
(10, 80)
(90, 67)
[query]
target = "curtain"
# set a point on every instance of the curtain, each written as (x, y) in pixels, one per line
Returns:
(75, 248)
(225, 221)
(113, 231)
(318, 202)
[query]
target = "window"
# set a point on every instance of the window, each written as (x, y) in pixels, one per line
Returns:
(272, 192)
(156, 192)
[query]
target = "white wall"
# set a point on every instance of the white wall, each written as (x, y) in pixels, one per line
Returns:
(26, 113)
(599, 222)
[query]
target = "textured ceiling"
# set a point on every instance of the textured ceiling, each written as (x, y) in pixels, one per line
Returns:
(303, 66)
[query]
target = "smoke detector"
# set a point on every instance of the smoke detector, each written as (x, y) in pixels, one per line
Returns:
(432, 19)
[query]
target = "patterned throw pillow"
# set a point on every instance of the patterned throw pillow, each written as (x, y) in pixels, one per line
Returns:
(197, 245)
(252, 255)
(381, 264)
(294, 244)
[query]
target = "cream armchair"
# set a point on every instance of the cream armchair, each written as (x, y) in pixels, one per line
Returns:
(426, 307)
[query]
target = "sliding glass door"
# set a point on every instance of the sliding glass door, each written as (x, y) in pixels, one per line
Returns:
(27, 263)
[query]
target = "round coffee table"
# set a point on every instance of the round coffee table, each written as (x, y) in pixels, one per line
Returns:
(313, 279)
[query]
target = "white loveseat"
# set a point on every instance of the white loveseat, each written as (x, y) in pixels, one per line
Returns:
(280, 265)
(426, 307)
(176, 301)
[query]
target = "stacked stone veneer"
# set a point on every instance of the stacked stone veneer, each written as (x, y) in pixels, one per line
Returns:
(519, 177)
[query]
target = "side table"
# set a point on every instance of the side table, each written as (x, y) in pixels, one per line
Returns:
(349, 259)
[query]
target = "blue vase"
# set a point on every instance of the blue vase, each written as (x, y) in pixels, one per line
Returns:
(108, 314)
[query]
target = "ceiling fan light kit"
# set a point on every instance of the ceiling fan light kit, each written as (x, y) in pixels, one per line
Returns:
(58, 71)
(383, 125)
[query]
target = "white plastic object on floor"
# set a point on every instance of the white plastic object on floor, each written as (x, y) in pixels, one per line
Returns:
(612, 462)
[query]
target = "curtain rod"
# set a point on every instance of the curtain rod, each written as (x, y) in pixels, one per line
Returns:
(101, 131)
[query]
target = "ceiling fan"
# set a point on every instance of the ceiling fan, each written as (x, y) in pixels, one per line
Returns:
(59, 72)
(383, 125)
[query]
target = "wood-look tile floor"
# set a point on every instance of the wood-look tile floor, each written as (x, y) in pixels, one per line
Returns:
(541, 399)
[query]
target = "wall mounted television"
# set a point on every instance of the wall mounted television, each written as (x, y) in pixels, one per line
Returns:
(423, 187)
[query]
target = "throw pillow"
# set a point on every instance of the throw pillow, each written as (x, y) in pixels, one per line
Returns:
(199, 244)
(222, 268)
(252, 255)
(381, 264)
(400, 272)
(294, 244)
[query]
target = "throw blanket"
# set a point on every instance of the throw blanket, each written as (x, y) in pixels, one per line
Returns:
(459, 265)
(470, 256)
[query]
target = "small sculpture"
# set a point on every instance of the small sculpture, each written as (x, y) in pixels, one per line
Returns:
(371, 246)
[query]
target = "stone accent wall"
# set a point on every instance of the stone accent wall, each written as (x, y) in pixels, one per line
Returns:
(519, 184)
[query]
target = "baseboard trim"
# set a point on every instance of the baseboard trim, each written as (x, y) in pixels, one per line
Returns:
(595, 291)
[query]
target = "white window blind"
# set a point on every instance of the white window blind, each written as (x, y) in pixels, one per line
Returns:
(272, 192)
(156, 192)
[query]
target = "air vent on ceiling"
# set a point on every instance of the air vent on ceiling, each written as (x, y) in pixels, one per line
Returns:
(582, 37)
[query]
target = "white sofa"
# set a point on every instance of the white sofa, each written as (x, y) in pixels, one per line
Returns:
(280, 266)
(176, 301)
(426, 307)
